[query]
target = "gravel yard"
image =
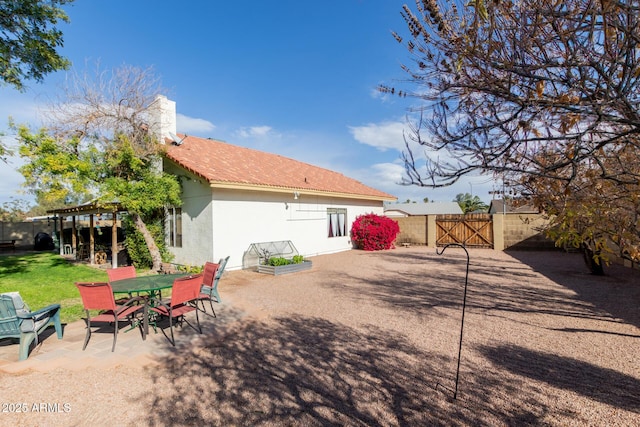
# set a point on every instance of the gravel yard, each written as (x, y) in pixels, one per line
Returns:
(371, 339)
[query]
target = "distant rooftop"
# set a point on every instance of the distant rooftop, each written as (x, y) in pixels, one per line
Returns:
(430, 208)
(499, 206)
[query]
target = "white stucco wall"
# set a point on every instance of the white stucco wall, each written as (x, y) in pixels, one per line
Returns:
(218, 223)
(243, 218)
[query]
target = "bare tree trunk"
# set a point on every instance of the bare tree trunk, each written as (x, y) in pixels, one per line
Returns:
(156, 258)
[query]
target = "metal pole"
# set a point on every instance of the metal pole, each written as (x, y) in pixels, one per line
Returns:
(464, 305)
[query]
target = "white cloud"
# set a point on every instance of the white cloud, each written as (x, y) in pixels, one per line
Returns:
(388, 172)
(10, 179)
(187, 124)
(391, 135)
(376, 94)
(254, 132)
(387, 177)
(383, 136)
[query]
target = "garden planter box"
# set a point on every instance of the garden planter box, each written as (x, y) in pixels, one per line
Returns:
(284, 269)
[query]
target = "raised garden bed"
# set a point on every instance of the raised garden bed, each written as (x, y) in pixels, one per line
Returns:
(284, 269)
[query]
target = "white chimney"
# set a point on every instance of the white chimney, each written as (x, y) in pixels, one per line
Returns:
(164, 113)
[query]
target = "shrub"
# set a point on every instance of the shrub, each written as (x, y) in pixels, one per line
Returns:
(137, 247)
(372, 232)
(276, 261)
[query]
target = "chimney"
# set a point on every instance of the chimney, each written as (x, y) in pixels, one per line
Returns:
(164, 113)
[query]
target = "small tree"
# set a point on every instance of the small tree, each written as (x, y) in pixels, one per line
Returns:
(372, 232)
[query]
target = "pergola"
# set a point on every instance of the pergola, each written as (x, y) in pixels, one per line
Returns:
(91, 209)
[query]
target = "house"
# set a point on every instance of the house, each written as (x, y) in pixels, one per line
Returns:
(234, 197)
(413, 209)
(498, 206)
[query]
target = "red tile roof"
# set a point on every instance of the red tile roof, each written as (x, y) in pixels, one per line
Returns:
(231, 166)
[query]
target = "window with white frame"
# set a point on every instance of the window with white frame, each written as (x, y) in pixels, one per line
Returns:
(175, 227)
(336, 222)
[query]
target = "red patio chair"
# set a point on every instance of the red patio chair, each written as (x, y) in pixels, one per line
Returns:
(208, 276)
(184, 296)
(211, 277)
(99, 296)
(120, 273)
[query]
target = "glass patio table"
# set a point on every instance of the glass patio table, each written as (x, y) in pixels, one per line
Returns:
(151, 285)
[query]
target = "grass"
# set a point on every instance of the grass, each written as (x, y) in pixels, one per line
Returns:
(46, 278)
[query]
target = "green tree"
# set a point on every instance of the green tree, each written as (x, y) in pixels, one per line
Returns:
(102, 147)
(75, 173)
(14, 210)
(469, 203)
(29, 40)
(58, 172)
(543, 93)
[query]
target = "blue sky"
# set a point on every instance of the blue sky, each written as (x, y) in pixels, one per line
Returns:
(296, 78)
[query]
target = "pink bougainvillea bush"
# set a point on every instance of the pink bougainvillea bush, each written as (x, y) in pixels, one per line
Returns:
(372, 232)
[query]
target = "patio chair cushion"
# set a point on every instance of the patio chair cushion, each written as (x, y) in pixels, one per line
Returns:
(18, 321)
(30, 322)
(33, 324)
(19, 304)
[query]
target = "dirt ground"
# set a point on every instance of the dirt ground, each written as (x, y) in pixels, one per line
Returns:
(372, 339)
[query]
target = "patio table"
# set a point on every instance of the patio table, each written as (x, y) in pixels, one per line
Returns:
(151, 284)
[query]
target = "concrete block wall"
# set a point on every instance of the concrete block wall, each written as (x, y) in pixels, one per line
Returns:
(524, 231)
(521, 231)
(413, 230)
(24, 232)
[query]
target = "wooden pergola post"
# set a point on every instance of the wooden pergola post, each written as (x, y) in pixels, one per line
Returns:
(74, 238)
(92, 240)
(61, 239)
(114, 240)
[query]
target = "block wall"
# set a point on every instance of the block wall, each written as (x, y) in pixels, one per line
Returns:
(413, 230)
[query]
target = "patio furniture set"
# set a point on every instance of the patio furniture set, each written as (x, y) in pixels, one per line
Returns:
(141, 306)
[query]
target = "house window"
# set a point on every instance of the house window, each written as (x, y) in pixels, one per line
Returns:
(175, 227)
(337, 222)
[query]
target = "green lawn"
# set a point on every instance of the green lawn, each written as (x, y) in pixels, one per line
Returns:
(46, 278)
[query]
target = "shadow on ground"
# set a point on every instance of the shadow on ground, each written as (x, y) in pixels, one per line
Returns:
(594, 382)
(309, 371)
(615, 295)
(426, 281)
(303, 369)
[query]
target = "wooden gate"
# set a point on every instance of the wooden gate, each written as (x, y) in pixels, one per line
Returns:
(472, 230)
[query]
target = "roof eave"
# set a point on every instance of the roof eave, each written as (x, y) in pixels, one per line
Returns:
(179, 164)
(300, 191)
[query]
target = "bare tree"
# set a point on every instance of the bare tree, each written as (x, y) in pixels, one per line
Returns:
(98, 105)
(528, 90)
